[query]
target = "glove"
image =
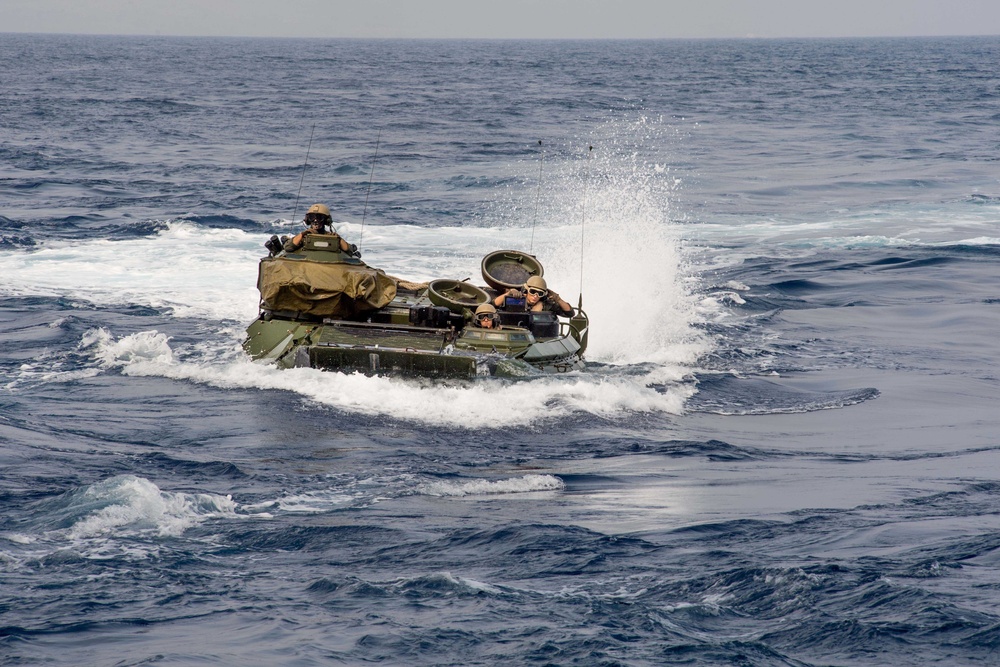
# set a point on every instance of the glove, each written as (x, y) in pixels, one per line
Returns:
(553, 297)
(352, 249)
(515, 293)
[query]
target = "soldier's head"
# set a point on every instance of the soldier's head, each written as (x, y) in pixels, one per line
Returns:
(486, 316)
(318, 217)
(535, 289)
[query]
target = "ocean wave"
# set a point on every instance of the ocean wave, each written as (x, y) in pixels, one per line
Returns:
(463, 405)
(485, 487)
(172, 269)
(440, 585)
(128, 504)
(731, 395)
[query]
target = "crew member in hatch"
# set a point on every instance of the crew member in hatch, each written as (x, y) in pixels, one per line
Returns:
(486, 317)
(318, 218)
(537, 296)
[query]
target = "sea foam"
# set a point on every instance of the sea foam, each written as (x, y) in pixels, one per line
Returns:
(128, 503)
(464, 404)
(482, 487)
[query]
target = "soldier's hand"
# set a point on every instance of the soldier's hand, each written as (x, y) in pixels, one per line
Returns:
(553, 297)
(515, 293)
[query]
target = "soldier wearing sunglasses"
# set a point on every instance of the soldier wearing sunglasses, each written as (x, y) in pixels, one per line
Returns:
(318, 219)
(537, 296)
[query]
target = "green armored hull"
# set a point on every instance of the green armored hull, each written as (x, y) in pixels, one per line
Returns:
(322, 308)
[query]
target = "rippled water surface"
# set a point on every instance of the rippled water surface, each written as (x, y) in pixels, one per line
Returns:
(784, 448)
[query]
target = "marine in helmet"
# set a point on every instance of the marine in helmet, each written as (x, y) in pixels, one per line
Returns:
(486, 317)
(537, 296)
(318, 220)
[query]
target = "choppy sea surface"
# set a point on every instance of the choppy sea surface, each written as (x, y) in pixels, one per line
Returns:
(785, 449)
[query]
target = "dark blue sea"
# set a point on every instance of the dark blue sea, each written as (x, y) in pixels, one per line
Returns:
(784, 449)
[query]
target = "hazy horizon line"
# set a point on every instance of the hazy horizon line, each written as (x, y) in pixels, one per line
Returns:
(498, 39)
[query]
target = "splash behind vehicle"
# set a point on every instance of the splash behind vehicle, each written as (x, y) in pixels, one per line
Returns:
(325, 308)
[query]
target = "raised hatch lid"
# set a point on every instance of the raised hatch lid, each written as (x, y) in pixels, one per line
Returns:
(507, 269)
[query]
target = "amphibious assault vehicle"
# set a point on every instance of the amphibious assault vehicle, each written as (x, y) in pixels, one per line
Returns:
(325, 308)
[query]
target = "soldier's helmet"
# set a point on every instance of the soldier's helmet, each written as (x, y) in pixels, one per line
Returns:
(322, 209)
(537, 282)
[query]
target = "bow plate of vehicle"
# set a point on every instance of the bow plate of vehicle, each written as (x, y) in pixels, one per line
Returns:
(324, 308)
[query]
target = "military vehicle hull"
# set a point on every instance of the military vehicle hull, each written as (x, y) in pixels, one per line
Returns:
(425, 330)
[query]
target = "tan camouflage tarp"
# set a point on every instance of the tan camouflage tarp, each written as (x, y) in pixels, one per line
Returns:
(323, 289)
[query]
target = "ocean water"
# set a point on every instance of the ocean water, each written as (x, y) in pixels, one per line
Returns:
(785, 449)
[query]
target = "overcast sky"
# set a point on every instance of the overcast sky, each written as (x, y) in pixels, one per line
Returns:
(506, 18)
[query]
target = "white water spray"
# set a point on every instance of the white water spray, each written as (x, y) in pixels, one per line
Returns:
(642, 314)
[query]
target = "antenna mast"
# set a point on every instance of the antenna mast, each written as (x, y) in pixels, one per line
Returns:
(302, 178)
(538, 194)
(583, 221)
(364, 215)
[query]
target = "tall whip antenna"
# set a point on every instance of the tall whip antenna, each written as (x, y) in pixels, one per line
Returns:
(583, 221)
(538, 194)
(361, 236)
(295, 208)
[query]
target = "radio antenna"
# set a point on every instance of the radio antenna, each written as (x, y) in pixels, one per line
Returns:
(538, 194)
(583, 221)
(361, 236)
(295, 208)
